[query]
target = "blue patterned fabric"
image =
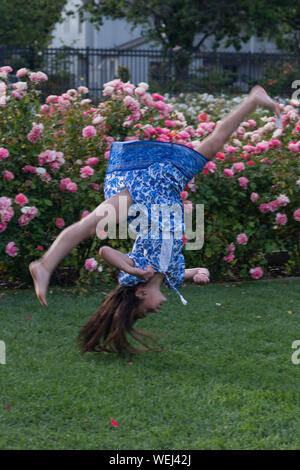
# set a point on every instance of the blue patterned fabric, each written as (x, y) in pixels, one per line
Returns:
(154, 173)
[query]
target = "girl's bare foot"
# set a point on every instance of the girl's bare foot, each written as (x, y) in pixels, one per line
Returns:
(40, 277)
(261, 98)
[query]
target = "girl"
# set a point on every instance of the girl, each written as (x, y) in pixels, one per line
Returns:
(146, 173)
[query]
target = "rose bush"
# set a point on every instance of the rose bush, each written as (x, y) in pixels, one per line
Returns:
(53, 158)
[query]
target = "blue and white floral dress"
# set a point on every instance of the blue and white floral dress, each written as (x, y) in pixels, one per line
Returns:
(154, 173)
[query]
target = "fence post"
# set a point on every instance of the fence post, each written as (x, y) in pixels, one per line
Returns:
(87, 67)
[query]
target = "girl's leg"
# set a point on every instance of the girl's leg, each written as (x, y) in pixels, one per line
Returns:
(215, 141)
(71, 236)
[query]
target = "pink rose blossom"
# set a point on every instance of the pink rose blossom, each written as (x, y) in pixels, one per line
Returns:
(11, 249)
(4, 153)
(298, 182)
(21, 199)
(251, 122)
(89, 131)
(3, 226)
(296, 215)
(29, 169)
(210, 166)
(35, 133)
(38, 77)
(184, 194)
(95, 186)
(281, 219)
(254, 197)
(242, 239)
(60, 223)
(92, 161)
(72, 187)
(6, 69)
(8, 175)
(229, 258)
(274, 143)
(264, 208)
(6, 214)
(239, 166)
(282, 200)
(273, 205)
(5, 202)
(243, 182)
(21, 72)
(84, 214)
(40, 248)
(91, 264)
(228, 172)
(156, 96)
(231, 247)
(256, 273)
(86, 171)
(64, 182)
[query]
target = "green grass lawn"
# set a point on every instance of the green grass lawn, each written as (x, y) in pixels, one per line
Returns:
(224, 381)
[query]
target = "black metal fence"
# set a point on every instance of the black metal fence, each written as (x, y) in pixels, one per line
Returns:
(165, 71)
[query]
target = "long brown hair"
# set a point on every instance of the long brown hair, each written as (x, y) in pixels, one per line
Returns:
(107, 329)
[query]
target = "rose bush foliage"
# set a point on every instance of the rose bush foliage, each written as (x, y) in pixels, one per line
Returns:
(53, 158)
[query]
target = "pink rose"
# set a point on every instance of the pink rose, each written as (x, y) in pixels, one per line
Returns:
(11, 249)
(86, 171)
(242, 239)
(281, 219)
(7, 214)
(296, 215)
(184, 194)
(21, 199)
(40, 248)
(3, 153)
(231, 247)
(3, 226)
(256, 273)
(156, 96)
(84, 214)
(8, 175)
(243, 182)
(21, 72)
(60, 223)
(282, 200)
(273, 205)
(90, 264)
(38, 77)
(92, 161)
(239, 166)
(229, 258)
(95, 186)
(64, 182)
(210, 166)
(72, 187)
(89, 131)
(5, 202)
(264, 208)
(254, 197)
(228, 172)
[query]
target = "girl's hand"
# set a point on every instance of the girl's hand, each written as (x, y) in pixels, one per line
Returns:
(143, 274)
(202, 276)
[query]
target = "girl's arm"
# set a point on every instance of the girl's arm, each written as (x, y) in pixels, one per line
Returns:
(123, 262)
(198, 275)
